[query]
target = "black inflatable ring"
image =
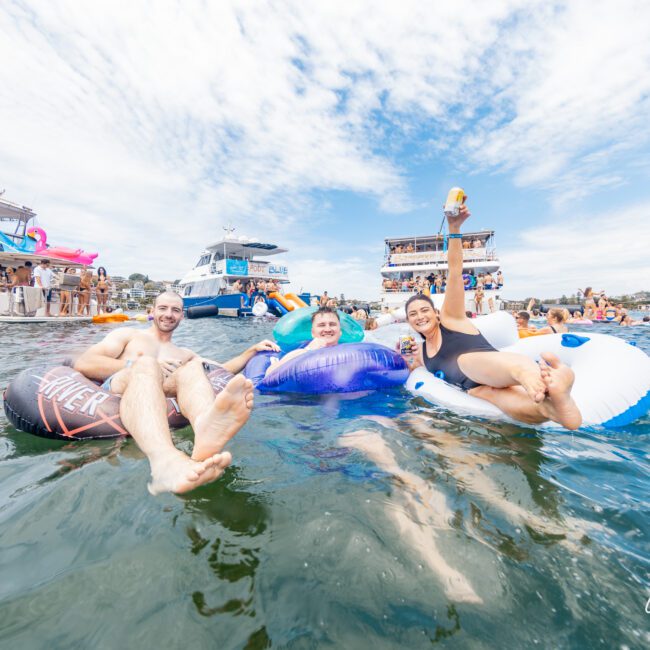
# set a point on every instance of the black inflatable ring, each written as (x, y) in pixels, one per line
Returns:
(59, 402)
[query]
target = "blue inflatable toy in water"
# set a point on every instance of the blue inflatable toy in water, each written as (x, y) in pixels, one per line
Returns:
(343, 368)
(294, 328)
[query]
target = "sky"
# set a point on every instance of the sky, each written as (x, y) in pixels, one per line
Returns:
(141, 129)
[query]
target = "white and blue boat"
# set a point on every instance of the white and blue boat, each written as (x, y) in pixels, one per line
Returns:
(209, 288)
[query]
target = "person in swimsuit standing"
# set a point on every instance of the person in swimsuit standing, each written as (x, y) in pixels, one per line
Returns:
(456, 351)
(103, 282)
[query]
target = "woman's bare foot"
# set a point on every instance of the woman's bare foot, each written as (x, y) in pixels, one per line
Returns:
(227, 415)
(559, 379)
(533, 384)
(178, 473)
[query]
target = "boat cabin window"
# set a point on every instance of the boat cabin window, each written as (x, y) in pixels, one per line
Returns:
(204, 259)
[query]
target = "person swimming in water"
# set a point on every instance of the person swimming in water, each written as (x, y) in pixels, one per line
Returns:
(556, 319)
(452, 346)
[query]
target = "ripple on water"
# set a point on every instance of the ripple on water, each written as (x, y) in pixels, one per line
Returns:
(378, 521)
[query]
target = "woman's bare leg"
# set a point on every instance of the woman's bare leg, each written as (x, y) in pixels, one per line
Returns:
(425, 511)
(503, 369)
(144, 414)
(557, 405)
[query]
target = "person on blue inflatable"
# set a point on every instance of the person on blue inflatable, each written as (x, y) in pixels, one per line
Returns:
(326, 332)
(454, 350)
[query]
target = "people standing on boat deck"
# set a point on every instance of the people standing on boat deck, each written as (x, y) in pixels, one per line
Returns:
(21, 277)
(453, 348)
(43, 279)
(30, 270)
(499, 280)
(487, 281)
(85, 287)
(323, 299)
(103, 284)
(236, 286)
(144, 367)
(479, 294)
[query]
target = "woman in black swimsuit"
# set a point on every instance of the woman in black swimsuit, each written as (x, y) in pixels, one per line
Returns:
(456, 351)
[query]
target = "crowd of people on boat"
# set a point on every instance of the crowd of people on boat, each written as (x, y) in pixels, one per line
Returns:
(437, 282)
(260, 287)
(63, 281)
(409, 247)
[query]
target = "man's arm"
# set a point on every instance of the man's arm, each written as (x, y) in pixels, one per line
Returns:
(239, 362)
(101, 361)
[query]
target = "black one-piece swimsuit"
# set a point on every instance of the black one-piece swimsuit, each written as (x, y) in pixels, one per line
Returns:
(445, 363)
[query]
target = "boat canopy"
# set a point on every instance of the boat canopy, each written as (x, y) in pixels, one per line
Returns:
(436, 240)
(244, 247)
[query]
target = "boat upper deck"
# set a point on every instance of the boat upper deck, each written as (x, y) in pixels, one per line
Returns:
(431, 250)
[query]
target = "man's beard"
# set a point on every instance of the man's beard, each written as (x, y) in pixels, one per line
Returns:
(166, 326)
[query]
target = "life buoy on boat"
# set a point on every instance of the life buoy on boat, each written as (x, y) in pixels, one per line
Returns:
(59, 402)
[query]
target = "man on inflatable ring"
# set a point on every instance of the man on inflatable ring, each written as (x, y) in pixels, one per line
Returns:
(144, 367)
(326, 330)
(454, 350)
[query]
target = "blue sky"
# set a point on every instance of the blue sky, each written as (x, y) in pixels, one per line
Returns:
(139, 130)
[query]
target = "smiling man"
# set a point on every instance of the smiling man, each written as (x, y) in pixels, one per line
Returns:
(325, 330)
(144, 366)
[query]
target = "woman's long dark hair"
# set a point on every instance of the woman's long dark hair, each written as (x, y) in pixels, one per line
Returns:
(99, 272)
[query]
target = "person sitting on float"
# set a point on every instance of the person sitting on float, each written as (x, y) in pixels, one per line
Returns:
(455, 350)
(325, 330)
(556, 319)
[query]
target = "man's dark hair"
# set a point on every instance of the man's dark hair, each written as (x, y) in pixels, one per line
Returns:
(523, 315)
(28, 264)
(325, 310)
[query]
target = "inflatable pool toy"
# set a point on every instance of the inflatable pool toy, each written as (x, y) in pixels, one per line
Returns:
(260, 309)
(59, 402)
(71, 254)
(110, 318)
(289, 301)
(525, 334)
(343, 368)
(294, 328)
(611, 389)
(581, 321)
(27, 245)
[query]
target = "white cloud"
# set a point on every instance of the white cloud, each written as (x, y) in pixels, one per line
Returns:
(594, 250)
(139, 129)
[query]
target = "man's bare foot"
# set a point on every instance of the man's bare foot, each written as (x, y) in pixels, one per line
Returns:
(178, 473)
(227, 415)
(559, 379)
(531, 381)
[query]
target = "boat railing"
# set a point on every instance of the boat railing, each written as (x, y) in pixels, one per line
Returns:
(429, 257)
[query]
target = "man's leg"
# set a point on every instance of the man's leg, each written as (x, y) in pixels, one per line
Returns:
(215, 420)
(143, 413)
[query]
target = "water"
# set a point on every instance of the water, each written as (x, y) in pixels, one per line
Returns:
(309, 542)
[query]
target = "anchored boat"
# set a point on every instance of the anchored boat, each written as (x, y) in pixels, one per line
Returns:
(409, 261)
(217, 285)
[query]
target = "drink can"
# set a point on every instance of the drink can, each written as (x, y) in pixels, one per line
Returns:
(455, 199)
(406, 343)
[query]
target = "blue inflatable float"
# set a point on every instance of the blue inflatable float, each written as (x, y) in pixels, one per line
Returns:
(343, 368)
(294, 328)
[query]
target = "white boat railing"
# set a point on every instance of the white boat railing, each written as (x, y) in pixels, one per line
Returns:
(429, 257)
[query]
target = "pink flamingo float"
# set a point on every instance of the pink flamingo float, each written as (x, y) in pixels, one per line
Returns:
(71, 254)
